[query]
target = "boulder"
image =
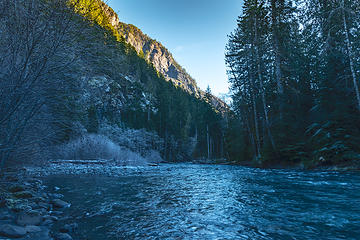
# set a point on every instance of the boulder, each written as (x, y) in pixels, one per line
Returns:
(57, 203)
(12, 231)
(30, 218)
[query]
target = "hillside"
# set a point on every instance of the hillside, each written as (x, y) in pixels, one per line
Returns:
(161, 58)
(80, 91)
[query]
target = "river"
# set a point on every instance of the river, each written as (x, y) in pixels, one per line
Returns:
(187, 201)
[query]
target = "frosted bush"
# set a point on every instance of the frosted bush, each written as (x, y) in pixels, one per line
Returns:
(153, 156)
(140, 141)
(93, 147)
(131, 158)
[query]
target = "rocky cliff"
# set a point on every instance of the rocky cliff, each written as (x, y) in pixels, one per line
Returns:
(159, 56)
(163, 61)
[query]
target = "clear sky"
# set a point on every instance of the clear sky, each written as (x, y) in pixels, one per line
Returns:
(195, 32)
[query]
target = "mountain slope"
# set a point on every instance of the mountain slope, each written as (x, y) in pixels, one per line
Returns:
(161, 58)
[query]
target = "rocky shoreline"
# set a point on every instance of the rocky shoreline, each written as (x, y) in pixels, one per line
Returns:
(29, 211)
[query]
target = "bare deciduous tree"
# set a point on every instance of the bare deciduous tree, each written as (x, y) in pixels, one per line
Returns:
(34, 46)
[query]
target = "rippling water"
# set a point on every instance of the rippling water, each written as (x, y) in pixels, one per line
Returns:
(186, 201)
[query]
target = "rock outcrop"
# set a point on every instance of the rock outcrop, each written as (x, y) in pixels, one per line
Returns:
(155, 53)
(161, 58)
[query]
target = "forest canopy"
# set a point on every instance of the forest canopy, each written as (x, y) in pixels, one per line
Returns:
(294, 69)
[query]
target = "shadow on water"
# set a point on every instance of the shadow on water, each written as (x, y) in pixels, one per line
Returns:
(187, 201)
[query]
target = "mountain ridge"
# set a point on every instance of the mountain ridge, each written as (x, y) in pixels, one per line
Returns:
(161, 58)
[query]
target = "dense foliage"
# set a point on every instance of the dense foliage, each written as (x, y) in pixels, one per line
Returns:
(294, 73)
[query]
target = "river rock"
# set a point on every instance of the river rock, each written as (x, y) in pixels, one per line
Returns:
(30, 218)
(69, 228)
(52, 218)
(12, 231)
(39, 199)
(32, 229)
(42, 211)
(2, 200)
(18, 205)
(33, 205)
(57, 213)
(5, 217)
(16, 188)
(23, 195)
(62, 236)
(11, 178)
(44, 205)
(57, 203)
(47, 222)
(56, 195)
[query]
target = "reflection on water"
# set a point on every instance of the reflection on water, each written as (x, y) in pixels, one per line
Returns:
(187, 201)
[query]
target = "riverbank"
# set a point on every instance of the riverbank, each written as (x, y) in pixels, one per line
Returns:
(321, 166)
(29, 211)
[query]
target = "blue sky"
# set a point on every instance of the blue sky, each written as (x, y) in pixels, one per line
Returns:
(195, 32)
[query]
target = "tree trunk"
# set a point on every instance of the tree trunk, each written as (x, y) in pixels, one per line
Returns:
(350, 55)
(251, 136)
(278, 71)
(208, 141)
(262, 86)
(256, 124)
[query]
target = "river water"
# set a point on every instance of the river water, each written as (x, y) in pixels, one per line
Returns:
(187, 201)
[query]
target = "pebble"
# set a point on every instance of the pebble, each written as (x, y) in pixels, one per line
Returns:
(16, 188)
(58, 203)
(44, 205)
(30, 218)
(69, 228)
(32, 229)
(6, 217)
(56, 212)
(62, 236)
(52, 218)
(47, 222)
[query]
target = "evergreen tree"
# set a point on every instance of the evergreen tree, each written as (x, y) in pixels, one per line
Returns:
(293, 73)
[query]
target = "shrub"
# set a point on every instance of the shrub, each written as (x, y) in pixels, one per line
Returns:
(95, 147)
